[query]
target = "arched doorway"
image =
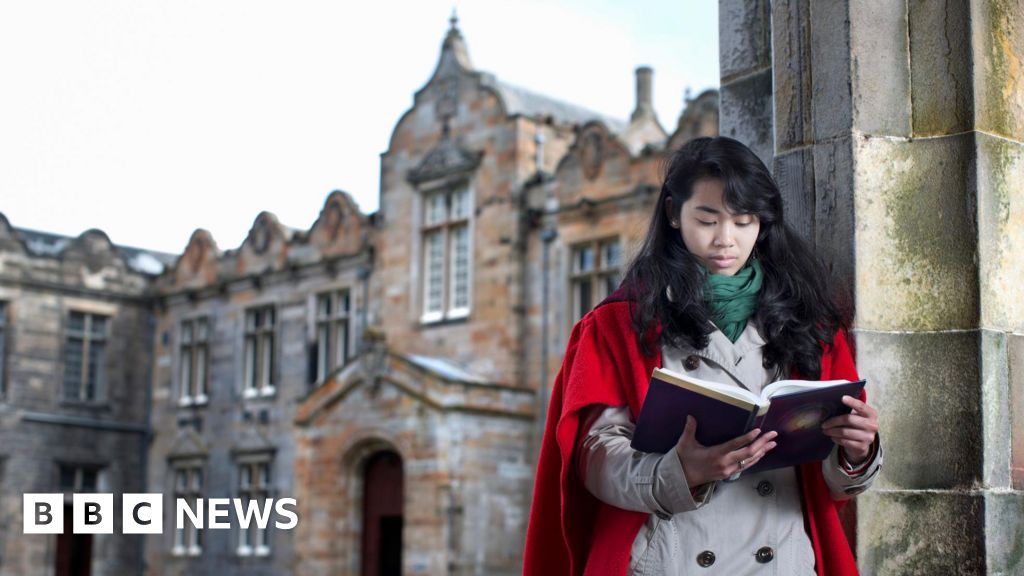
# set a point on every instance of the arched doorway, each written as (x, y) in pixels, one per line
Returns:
(383, 500)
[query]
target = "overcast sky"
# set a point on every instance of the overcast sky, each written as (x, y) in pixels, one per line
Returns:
(150, 119)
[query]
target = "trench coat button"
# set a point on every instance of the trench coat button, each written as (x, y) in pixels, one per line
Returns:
(663, 515)
(692, 362)
(706, 558)
(765, 488)
(764, 554)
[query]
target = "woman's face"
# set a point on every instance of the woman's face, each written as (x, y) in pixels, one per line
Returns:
(720, 239)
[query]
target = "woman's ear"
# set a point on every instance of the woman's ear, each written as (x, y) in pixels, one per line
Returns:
(671, 213)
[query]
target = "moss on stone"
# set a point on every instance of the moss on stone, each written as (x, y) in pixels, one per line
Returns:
(926, 534)
(1005, 83)
(919, 252)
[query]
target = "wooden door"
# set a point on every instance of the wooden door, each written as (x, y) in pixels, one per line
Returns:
(383, 503)
(74, 551)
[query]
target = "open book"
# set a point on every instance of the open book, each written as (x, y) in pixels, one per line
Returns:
(793, 408)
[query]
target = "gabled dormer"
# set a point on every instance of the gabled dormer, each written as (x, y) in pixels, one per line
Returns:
(340, 229)
(197, 266)
(265, 247)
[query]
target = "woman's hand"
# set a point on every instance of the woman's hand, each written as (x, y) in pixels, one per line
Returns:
(853, 432)
(702, 464)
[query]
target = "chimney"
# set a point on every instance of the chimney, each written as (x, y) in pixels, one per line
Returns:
(644, 107)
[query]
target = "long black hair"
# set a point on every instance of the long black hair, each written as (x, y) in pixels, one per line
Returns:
(796, 311)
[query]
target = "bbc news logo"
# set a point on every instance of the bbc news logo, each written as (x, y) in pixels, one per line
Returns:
(143, 513)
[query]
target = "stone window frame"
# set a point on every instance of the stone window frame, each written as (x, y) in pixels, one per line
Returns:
(84, 478)
(327, 324)
(254, 477)
(194, 391)
(598, 274)
(187, 480)
(259, 349)
(89, 340)
(444, 223)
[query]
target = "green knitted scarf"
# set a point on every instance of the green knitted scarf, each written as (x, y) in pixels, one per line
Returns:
(732, 299)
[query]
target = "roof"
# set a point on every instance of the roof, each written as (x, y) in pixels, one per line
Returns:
(52, 245)
(522, 101)
(445, 369)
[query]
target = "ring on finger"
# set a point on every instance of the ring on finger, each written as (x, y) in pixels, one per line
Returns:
(743, 463)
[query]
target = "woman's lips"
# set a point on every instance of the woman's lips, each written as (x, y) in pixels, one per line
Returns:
(723, 261)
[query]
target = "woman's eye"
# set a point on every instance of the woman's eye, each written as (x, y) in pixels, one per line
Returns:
(744, 224)
(705, 223)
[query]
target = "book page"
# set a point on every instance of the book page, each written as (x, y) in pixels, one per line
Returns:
(725, 392)
(783, 387)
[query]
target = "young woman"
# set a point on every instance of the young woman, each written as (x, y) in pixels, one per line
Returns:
(723, 290)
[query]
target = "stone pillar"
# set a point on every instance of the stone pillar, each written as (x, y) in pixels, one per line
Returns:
(997, 50)
(898, 139)
(744, 40)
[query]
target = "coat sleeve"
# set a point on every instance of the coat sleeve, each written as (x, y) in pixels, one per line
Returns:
(626, 478)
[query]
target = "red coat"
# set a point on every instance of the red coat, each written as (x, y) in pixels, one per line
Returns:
(571, 532)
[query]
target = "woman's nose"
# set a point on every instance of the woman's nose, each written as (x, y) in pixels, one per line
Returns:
(723, 237)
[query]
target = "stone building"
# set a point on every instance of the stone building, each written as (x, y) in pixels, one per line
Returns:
(76, 325)
(384, 370)
(387, 370)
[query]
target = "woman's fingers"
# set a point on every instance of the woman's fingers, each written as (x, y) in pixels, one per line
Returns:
(860, 406)
(740, 441)
(852, 421)
(849, 433)
(748, 455)
(753, 458)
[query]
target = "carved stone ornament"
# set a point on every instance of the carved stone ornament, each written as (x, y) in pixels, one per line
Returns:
(260, 237)
(333, 219)
(591, 155)
(444, 159)
(195, 255)
(448, 96)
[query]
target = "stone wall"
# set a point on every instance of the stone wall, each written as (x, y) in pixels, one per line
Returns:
(898, 143)
(43, 278)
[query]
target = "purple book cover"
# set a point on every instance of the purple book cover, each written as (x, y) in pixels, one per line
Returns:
(664, 412)
(797, 417)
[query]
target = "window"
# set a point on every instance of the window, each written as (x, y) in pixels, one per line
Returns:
(3, 347)
(259, 351)
(188, 485)
(254, 487)
(84, 356)
(74, 478)
(332, 331)
(446, 255)
(194, 367)
(596, 270)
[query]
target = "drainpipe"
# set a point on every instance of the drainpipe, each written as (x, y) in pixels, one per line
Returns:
(147, 436)
(364, 277)
(547, 237)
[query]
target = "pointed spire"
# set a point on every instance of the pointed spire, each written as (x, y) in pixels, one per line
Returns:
(455, 44)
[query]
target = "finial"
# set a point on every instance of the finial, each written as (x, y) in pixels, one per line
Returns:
(454, 20)
(688, 94)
